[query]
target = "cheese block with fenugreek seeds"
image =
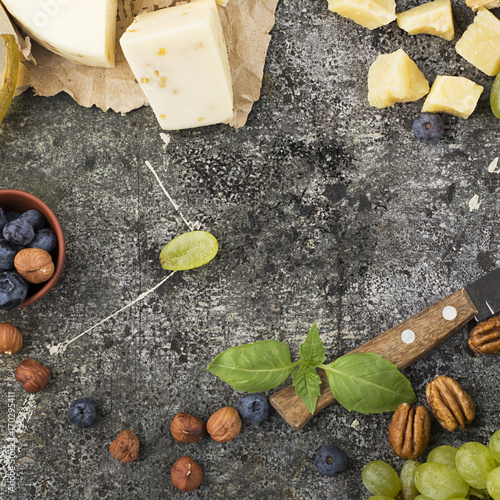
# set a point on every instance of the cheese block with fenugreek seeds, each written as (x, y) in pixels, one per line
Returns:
(395, 78)
(480, 43)
(82, 31)
(368, 13)
(432, 18)
(454, 95)
(178, 56)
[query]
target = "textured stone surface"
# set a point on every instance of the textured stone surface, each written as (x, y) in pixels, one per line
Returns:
(326, 211)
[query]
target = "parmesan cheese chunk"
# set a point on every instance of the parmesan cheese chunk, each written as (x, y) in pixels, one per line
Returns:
(82, 31)
(433, 18)
(178, 56)
(480, 43)
(454, 95)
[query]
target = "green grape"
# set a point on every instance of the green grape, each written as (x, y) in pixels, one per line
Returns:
(188, 251)
(381, 479)
(495, 96)
(493, 483)
(494, 446)
(380, 497)
(407, 476)
(443, 454)
(440, 481)
(474, 462)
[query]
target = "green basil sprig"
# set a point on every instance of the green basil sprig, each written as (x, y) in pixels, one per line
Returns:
(362, 382)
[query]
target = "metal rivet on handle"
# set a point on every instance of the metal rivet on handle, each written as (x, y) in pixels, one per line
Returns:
(408, 336)
(449, 313)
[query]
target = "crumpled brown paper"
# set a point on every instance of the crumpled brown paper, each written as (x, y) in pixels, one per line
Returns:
(246, 25)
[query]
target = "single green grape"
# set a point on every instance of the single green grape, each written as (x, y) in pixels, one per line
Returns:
(440, 481)
(495, 96)
(380, 497)
(381, 479)
(188, 251)
(493, 483)
(474, 462)
(407, 476)
(494, 446)
(443, 454)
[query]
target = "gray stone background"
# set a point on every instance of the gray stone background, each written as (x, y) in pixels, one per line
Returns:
(326, 210)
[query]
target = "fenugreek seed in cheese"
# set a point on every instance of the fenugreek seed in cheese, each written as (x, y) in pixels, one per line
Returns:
(82, 31)
(179, 57)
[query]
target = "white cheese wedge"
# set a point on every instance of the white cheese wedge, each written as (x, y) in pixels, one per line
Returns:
(178, 56)
(82, 31)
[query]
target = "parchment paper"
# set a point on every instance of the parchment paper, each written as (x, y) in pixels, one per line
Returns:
(246, 25)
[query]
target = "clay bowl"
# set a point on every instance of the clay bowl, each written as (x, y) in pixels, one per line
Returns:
(20, 201)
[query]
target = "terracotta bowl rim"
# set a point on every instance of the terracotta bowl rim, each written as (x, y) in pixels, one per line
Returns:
(53, 223)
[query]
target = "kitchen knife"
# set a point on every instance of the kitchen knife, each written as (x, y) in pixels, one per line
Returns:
(410, 340)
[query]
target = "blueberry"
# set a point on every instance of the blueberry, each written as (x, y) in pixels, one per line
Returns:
(3, 219)
(13, 290)
(34, 218)
(428, 127)
(12, 215)
(253, 408)
(7, 254)
(83, 412)
(19, 232)
(331, 460)
(45, 239)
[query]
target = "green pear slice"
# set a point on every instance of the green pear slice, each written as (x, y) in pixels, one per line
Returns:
(9, 63)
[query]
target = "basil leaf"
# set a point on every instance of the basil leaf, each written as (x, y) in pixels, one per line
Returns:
(254, 367)
(306, 381)
(368, 383)
(189, 251)
(312, 350)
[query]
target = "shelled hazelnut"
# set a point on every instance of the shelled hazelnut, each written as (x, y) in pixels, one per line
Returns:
(32, 375)
(224, 424)
(11, 339)
(187, 429)
(186, 474)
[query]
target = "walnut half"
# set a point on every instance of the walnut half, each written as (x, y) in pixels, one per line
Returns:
(449, 403)
(410, 431)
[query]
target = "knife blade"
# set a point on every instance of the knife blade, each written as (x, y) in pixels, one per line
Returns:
(408, 341)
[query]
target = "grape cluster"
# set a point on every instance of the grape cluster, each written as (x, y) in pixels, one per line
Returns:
(471, 471)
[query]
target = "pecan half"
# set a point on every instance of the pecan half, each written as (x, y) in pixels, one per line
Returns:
(410, 431)
(449, 403)
(485, 337)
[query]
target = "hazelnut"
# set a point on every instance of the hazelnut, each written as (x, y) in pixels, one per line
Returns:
(11, 339)
(125, 447)
(187, 429)
(186, 474)
(32, 375)
(34, 265)
(224, 424)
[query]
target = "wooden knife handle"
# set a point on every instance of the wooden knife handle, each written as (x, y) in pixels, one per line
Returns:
(402, 345)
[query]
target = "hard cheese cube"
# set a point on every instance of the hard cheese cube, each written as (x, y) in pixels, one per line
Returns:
(480, 44)
(432, 18)
(179, 58)
(395, 78)
(368, 13)
(454, 95)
